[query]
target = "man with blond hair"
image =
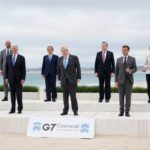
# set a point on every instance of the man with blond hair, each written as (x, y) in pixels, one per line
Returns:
(69, 74)
(3, 54)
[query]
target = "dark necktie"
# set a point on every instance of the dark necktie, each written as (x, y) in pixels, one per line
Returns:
(125, 61)
(7, 52)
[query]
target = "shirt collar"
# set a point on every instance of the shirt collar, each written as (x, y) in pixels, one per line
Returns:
(104, 51)
(15, 55)
(67, 57)
(126, 56)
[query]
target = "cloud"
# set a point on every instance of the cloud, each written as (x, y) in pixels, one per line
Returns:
(80, 24)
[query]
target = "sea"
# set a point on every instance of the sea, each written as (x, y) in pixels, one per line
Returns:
(34, 78)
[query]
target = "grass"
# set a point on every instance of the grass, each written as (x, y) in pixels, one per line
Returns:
(81, 89)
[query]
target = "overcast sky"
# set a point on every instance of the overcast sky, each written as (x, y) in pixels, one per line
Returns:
(80, 25)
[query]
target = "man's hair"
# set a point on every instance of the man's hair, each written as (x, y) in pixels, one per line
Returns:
(105, 43)
(126, 46)
(50, 47)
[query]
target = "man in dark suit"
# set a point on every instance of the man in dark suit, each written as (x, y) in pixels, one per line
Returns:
(69, 74)
(3, 54)
(49, 72)
(15, 76)
(125, 68)
(104, 69)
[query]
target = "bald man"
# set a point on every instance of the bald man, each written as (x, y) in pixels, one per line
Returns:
(69, 74)
(15, 76)
(3, 54)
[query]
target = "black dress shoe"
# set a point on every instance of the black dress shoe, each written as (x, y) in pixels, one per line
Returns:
(75, 114)
(11, 112)
(100, 100)
(64, 113)
(19, 112)
(127, 114)
(5, 99)
(149, 101)
(121, 114)
(53, 100)
(47, 100)
(107, 101)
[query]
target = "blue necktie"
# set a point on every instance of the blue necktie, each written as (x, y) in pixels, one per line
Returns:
(65, 62)
(50, 58)
(14, 60)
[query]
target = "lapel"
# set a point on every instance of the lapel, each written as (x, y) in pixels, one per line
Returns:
(4, 53)
(128, 60)
(69, 60)
(107, 53)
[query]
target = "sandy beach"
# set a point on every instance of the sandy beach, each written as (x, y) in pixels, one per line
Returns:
(17, 142)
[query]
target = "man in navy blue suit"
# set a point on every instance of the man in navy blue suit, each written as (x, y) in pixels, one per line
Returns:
(49, 72)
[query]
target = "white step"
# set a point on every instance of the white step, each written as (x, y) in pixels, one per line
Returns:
(84, 106)
(107, 123)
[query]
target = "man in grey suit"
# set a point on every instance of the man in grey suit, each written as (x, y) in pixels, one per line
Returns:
(3, 54)
(125, 68)
(69, 74)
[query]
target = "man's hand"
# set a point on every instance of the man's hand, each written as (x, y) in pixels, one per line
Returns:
(43, 76)
(128, 70)
(6, 81)
(22, 82)
(1, 73)
(117, 84)
(78, 80)
(96, 74)
(112, 74)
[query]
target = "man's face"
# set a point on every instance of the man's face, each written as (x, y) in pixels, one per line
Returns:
(50, 50)
(8, 44)
(14, 49)
(64, 52)
(125, 51)
(104, 46)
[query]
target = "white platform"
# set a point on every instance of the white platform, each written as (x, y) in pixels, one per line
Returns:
(106, 115)
(106, 123)
(84, 106)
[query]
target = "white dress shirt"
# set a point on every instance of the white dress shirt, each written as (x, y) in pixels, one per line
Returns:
(16, 55)
(126, 58)
(7, 50)
(147, 65)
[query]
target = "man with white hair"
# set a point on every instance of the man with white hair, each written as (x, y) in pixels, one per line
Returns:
(69, 74)
(3, 54)
(15, 76)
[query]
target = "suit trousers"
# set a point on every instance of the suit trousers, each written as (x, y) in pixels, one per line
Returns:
(104, 86)
(6, 87)
(50, 87)
(70, 89)
(16, 93)
(148, 84)
(125, 91)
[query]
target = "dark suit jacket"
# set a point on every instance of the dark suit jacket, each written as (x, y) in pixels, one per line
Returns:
(72, 72)
(108, 67)
(15, 73)
(49, 67)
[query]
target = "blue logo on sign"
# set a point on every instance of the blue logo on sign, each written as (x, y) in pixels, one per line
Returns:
(84, 128)
(37, 126)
